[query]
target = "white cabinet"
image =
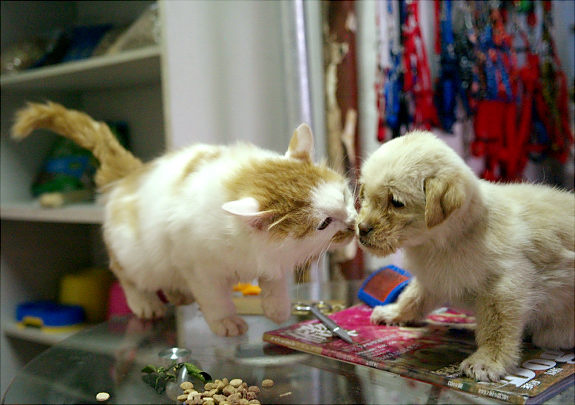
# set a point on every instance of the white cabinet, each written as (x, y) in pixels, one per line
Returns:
(126, 86)
(40, 245)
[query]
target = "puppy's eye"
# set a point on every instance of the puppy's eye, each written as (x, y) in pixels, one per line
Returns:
(325, 223)
(397, 204)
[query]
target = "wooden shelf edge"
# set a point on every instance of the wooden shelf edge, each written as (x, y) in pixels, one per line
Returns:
(104, 344)
(31, 211)
(130, 68)
(79, 66)
(13, 330)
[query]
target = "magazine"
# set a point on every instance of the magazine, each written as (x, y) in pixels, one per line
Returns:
(431, 352)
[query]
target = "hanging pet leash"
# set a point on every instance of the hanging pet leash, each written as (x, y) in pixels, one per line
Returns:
(554, 84)
(449, 82)
(495, 120)
(544, 129)
(389, 99)
(417, 76)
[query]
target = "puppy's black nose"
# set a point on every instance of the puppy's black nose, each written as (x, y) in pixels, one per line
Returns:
(364, 230)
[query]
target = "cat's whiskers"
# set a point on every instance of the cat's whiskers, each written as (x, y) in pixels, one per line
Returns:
(355, 187)
(351, 173)
(300, 275)
(278, 221)
(323, 253)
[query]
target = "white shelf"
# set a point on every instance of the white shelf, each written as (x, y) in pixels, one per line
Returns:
(35, 335)
(129, 68)
(86, 213)
(96, 342)
(126, 86)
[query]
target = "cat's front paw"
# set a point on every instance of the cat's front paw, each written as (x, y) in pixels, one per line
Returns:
(179, 298)
(391, 314)
(146, 306)
(278, 311)
(232, 325)
(483, 367)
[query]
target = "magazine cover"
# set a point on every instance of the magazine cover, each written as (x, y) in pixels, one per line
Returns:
(429, 353)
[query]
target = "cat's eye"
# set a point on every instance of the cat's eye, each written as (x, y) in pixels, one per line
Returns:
(361, 193)
(397, 204)
(325, 223)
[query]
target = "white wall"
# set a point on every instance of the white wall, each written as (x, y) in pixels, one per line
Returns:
(224, 71)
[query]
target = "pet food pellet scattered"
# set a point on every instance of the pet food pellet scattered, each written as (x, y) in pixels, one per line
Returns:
(194, 400)
(223, 392)
(219, 398)
(187, 385)
(209, 393)
(102, 396)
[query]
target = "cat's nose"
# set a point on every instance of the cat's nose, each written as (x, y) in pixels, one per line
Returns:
(350, 225)
(364, 229)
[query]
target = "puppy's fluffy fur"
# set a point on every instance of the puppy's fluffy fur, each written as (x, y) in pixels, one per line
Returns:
(504, 251)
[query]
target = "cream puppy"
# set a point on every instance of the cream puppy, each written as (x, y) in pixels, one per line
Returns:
(504, 251)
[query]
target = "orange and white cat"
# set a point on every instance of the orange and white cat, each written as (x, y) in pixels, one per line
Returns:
(194, 222)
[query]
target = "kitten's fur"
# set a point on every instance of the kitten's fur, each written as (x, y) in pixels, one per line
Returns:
(194, 222)
(506, 251)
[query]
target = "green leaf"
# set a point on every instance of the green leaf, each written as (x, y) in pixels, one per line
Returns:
(170, 375)
(192, 368)
(196, 372)
(158, 377)
(156, 381)
(149, 369)
(206, 376)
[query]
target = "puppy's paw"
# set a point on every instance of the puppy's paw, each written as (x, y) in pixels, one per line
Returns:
(232, 325)
(391, 314)
(482, 367)
(278, 310)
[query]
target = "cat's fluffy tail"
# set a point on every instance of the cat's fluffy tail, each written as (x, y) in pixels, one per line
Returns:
(115, 161)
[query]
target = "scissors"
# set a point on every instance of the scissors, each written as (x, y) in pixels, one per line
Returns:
(329, 323)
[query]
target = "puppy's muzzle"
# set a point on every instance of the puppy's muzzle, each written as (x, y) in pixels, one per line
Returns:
(364, 230)
(365, 233)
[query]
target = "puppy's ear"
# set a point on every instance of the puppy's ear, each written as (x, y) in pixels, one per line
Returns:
(442, 197)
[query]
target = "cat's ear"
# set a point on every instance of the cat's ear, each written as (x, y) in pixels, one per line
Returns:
(249, 210)
(301, 144)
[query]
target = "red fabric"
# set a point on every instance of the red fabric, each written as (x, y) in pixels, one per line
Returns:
(417, 77)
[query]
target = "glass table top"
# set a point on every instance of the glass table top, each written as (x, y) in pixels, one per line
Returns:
(109, 358)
